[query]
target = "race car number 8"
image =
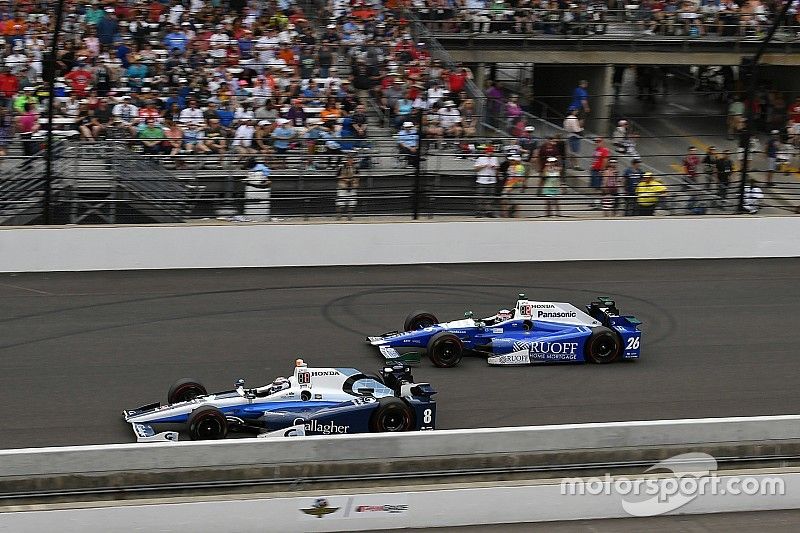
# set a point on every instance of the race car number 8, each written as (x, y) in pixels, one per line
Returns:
(633, 343)
(427, 416)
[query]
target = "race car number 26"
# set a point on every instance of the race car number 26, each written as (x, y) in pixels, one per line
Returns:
(633, 343)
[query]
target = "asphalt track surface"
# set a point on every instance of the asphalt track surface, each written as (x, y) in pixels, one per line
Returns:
(720, 339)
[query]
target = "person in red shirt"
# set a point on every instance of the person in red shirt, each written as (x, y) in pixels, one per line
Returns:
(79, 79)
(9, 85)
(154, 12)
(457, 79)
(794, 110)
(690, 164)
(599, 162)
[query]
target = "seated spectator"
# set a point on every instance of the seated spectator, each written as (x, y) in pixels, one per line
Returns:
(314, 134)
(192, 114)
(331, 114)
(261, 138)
(243, 138)
(296, 114)
(192, 138)
(214, 138)
(152, 137)
(408, 143)
(450, 119)
(360, 122)
(173, 135)
(282, 136)
(100, 119)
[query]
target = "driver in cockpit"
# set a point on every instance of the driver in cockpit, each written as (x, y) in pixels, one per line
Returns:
(501, 316)
(278, 385)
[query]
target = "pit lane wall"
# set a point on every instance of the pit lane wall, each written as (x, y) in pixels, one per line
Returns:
(291, 458)
(330, 511)
(73, 248)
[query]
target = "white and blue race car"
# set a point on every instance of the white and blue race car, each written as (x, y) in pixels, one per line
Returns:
(533, 332)
(313, 401)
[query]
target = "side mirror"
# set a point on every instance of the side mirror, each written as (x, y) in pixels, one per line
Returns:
(468, 314)
(239, 383)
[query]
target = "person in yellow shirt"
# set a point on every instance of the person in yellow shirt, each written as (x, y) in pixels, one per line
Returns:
(648, 193)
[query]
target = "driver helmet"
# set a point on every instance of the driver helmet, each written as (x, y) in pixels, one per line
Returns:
(504, 314)
(280, 384)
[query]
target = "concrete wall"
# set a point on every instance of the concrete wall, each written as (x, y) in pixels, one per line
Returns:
(416, 509)
(38, 249)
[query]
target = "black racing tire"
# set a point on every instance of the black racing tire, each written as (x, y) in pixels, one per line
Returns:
(603, 346)
(392, 415)
(185, 389)
(445, 350)
(418, 320)
(207, 423)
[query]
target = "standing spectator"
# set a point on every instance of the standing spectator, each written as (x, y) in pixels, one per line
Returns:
(599, 163)
(494, 96)
(347, 188)
(9, 86)
(27, 125)
(513, 111)
(6, 129)
(611, 188)
(649, 193)
(575, 130)
(771, 152)
(710, 165)
(690, 165)
(551, 187)
(580, 99)
(514, 184)
(548, 149)
(108, 27)
(486, 178)
(360, 122)
(724, 173)
(735, 112)
(632, 175)
(752, 197)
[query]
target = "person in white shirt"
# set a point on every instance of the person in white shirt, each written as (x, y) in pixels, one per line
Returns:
(486, 181)
(574, 130)
(175, 13)
(125, 111)
(435, 93)
(192, 114)
(450, 119)
(243, 138)
(218, 43)
(244, 112)
(752, 197)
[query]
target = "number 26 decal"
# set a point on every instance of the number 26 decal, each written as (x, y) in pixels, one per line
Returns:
(633, 343)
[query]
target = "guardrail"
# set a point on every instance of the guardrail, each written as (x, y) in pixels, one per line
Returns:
(558, 447)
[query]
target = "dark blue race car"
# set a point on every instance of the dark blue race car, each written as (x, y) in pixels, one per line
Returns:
(313, 401)
(533, 332)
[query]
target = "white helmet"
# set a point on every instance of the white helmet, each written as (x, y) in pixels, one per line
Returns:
(280, 383)
(504, 314)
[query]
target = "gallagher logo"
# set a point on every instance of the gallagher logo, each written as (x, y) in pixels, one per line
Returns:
(320, 508)
(381, 508)
(314, 426)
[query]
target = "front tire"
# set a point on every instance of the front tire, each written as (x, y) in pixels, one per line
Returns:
(418, 320)
(392, 415)
(185, 389)
(445, 350)
(207, 423)
(603, 346)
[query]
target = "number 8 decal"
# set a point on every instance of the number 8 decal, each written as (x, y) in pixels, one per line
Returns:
(427, 416)
(633, 343)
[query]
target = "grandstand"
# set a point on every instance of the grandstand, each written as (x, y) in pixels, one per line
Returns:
(179, 111)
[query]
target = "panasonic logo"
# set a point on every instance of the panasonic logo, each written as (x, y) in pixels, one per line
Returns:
(557, 314)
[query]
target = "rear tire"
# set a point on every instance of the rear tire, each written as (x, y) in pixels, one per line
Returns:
(603, 346)
(445, 350)
(185, 389)
(418, 320)
(207, 423)
(392, 415)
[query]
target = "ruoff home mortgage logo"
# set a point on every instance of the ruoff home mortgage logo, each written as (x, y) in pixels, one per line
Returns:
(320, 508)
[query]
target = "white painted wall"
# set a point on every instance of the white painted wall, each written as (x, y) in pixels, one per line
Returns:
(268, 245)
(423, 509)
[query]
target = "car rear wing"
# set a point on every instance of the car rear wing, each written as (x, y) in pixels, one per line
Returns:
(605, 310)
